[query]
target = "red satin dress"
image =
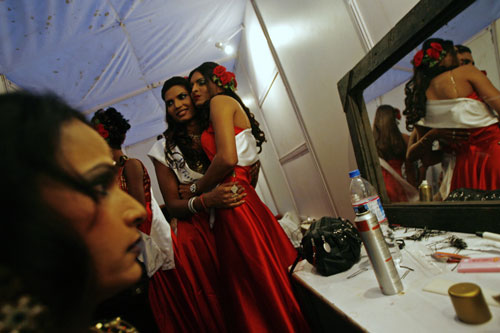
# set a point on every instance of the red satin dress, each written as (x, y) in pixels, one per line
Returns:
(184, 299)
(477, 163)
(254, 255)
(395, 190)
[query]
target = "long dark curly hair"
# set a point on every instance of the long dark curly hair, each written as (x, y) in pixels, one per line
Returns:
(415, 100)
(176, 133)
(207, 69)
(115, 125)
(388, 138)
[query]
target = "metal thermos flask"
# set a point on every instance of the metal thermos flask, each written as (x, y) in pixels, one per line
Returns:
(380, 257)
(425, 191)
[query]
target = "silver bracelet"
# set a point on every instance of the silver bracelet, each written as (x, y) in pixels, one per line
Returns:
(191, 205)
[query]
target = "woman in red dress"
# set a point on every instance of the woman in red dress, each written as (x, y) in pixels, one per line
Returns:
(391, 148)
(174, 166)
(254, 251)
(177, 294)
(455, 105)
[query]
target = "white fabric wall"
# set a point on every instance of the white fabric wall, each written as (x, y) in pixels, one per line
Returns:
(379, 16)
(310, 40)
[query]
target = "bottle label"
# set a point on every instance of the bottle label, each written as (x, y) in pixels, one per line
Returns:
(374, 205)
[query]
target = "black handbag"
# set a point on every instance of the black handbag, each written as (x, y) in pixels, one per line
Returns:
(332, 245)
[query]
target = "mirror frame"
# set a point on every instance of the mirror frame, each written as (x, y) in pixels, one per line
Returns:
(419, 24)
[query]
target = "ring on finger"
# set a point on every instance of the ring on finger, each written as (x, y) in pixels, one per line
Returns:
(234, 189)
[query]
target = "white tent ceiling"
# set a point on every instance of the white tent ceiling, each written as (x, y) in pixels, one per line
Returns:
(97, 53)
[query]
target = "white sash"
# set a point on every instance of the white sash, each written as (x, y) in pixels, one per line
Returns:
(410, 191)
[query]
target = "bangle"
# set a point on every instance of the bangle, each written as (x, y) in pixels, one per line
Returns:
(203, 202)
(425, 140)
(191, 205)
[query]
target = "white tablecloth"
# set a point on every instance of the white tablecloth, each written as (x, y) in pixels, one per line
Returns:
(414, 310)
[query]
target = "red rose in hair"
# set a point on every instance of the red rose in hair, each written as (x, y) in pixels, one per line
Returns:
(433, 54)
(234, 78)
(225, 78)
(437, 47)
(397, 114)
(219, 70)
(417, 59)
(102, 131)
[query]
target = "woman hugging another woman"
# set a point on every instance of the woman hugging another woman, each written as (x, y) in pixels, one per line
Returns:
(253, 250)
(459, 107)
(179, 159)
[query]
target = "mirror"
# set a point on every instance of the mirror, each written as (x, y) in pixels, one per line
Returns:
(375, 72)
(474, 28)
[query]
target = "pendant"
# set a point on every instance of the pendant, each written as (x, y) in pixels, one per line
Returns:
(234, 189)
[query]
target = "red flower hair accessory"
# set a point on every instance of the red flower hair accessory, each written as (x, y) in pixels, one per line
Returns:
(397, 114)
(101, 130)
(417, 59)
(224, 79)
(431, 57)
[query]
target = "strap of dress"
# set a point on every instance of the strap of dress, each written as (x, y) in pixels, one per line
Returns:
(123, 181)
(454, 84)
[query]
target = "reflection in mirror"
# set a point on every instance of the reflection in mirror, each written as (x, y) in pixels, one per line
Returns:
(448, 135)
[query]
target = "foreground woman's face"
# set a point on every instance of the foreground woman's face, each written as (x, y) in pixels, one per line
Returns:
(107, 226)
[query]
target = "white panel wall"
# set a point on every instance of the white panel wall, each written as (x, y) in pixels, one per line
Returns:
(273, 188)
(257, 59)
(317, 44)
(395, 98)
(306, 187)
(380, 16)
(280, 119)
(483, 52)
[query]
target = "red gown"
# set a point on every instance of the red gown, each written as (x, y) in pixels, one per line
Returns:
(254, 255)
(477, 163)
(185, 299)
(394, 189)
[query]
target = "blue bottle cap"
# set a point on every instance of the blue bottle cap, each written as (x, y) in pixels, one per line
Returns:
(354, 173)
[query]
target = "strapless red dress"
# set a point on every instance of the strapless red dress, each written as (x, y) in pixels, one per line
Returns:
(254, 255)
(478, 159)
(186, 298)
(395, 190)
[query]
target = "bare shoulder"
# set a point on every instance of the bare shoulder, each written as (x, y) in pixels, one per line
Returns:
(467, 71)
(222, 105)
(133, 165)
(223, 100)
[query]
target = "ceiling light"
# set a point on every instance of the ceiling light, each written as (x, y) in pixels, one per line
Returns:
(224, 46)
(228, 49)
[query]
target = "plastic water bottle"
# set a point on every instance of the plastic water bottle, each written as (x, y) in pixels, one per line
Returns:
(364, 194)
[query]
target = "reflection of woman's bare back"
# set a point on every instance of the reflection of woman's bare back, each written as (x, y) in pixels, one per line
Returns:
(449, 104)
